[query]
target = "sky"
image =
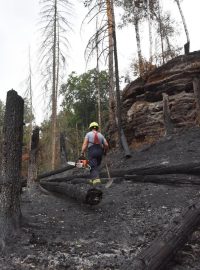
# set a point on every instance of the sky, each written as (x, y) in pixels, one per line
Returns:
(19, 31)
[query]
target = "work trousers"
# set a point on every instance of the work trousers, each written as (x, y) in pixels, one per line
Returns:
(95, 153)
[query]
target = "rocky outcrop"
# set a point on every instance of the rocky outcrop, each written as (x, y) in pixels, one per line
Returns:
(142, 100)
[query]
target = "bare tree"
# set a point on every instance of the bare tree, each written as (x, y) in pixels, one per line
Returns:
(112, 102)
(133, 13)
(53, 53)
(183, 19)
(28, 95)
(150, 32)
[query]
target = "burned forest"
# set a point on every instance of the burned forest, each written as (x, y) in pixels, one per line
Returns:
(145, 213)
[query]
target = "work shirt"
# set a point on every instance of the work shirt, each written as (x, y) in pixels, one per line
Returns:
(95, 137)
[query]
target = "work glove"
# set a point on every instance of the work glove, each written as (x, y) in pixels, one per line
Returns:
(104, 152)
(82, 156)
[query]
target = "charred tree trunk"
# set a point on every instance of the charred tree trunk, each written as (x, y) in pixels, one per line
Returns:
(82, 193)
(10, 212)
(32, 169)
(167, 115)
(187, 48)
(112, 102)
(161, 251)
(196, 87)
(54, 91)
(122, 138)
(63, 151)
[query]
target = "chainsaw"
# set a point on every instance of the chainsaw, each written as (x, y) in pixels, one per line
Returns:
(80, 163)
(84, 164)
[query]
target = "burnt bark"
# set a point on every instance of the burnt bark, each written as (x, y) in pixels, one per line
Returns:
(63, 151)
(46, 174)
(167, 115)
(10, 211)
(160, 169)
(187, 48)
(168, 179)
(80, 180)
(32, 169)
(82, 193)
(196, 87)
(162, 249)
(127, 152)
(181, 168)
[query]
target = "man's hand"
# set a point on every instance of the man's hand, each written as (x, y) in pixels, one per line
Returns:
(82, 156)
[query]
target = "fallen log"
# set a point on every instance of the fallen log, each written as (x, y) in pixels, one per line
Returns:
(159, 169)
(46, 174)
(64, 179)
(168, 168)
(162, 249)
(83, 193)
(75, 180)
(184, 179)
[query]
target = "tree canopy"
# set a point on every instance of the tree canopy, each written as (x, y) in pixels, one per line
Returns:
(80, 97)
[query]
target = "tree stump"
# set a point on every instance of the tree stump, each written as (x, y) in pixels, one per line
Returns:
(10, 212)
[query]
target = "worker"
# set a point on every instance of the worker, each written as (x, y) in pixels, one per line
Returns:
(97, 146)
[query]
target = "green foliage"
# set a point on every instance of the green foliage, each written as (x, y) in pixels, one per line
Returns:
(80, 97)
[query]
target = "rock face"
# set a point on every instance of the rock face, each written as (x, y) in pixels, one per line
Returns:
(146, 116)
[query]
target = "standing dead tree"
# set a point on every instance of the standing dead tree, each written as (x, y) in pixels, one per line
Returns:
(32, 169)
(54, 26)
(167, 115)
(107, 32)
(187, 45)
(10, 212)
(63, 150)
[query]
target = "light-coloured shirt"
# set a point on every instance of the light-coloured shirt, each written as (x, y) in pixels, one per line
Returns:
(91, 135)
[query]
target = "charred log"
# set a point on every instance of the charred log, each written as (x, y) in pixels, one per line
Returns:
(168, 179)
(160, 169)
(80, 180)
(162, 250)
(46, 174)
(82, 193)
(183, 168)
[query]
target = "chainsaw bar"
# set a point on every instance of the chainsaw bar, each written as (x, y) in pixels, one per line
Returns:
(72, 163)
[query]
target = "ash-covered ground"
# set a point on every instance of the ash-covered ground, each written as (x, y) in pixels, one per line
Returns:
(62, 233)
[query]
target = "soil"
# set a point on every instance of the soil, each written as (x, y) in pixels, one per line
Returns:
(61, 233)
